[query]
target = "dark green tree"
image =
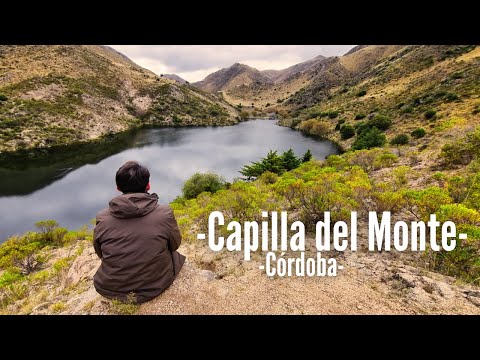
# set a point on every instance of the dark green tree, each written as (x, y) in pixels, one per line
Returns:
(369, 139)
(307, 156)
(290, 160)
(347, 131)
(272, 162)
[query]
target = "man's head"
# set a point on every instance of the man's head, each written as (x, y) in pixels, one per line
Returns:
(132, 178)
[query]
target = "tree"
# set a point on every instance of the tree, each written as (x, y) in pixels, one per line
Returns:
(347, 131)
(401, 139)
(381, 122)
(369, 139)
(272, 162)
(199, 183)
(307, 156)
(290, 160)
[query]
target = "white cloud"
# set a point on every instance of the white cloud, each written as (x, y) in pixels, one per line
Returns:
(194, 62)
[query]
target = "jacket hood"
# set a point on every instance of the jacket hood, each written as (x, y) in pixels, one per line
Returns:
(133, 205)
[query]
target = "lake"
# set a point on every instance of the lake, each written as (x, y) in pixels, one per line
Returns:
(73, 190)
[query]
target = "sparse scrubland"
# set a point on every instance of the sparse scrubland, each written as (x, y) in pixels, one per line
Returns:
(57, 95)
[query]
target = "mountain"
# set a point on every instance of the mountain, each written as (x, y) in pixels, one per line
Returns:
(424, 96)
(58, 95)
(237, 75)
(278, 76)
(174, 78)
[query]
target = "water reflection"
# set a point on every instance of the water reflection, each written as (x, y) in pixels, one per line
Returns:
(72, 197)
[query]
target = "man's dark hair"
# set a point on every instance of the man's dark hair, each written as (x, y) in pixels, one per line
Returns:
(132, 177)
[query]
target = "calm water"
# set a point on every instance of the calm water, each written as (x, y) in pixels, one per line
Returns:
(72, 192)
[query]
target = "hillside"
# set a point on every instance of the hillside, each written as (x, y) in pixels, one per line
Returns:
(175, 78)
(237, 75)
(279, 76)
(57, 95)
(399, 90)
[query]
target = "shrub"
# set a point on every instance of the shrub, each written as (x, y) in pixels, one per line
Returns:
(451, 97)
(9, 277)
(46, 226)
(370, 160)
(339, 124)
(362, 93)
(422, 203)
(369, 139)
(333, 114)
(177, 120)
(199, 183)
(381, 122)
(3, 97)
(418, 133)
(360, 116)
(320, 128)
(401, 139)
(408, 109)
(385, 159)
(347, 132)
(244, 115)
(430, 114)
(307, 125)
(462, 151)
(462, 261)
(268, 177)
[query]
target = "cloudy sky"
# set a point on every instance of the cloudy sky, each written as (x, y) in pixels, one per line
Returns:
(194, 62)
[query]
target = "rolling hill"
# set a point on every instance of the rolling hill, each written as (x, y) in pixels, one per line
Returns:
(237, 75)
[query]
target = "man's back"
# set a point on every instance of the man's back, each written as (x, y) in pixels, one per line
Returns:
(137, 241)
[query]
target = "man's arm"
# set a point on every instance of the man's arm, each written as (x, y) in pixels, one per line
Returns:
(175, 238)
(96, 242)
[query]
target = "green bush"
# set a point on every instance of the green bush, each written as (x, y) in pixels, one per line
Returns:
(244, 115)
(339, 124)
(401, 139)
(407, 109)
(362, 93)
(430, 114)
(333, 114)
(451, 97)
(347, 131)
(268, 177)
(360, 116)
(418, 133)
(3, 97)
(463, 150)
(369, 139)
(381, 122)
(199, 183)
(9, 277)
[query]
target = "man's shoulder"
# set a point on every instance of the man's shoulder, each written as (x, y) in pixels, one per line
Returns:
(102, 214)
(165, 209)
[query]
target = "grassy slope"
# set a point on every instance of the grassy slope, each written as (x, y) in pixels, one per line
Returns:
(403, 86)
(62, 94)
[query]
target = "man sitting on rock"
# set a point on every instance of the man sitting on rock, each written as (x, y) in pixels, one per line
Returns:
(137, 240)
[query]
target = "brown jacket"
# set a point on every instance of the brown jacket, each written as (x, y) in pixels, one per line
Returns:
(137, 241)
